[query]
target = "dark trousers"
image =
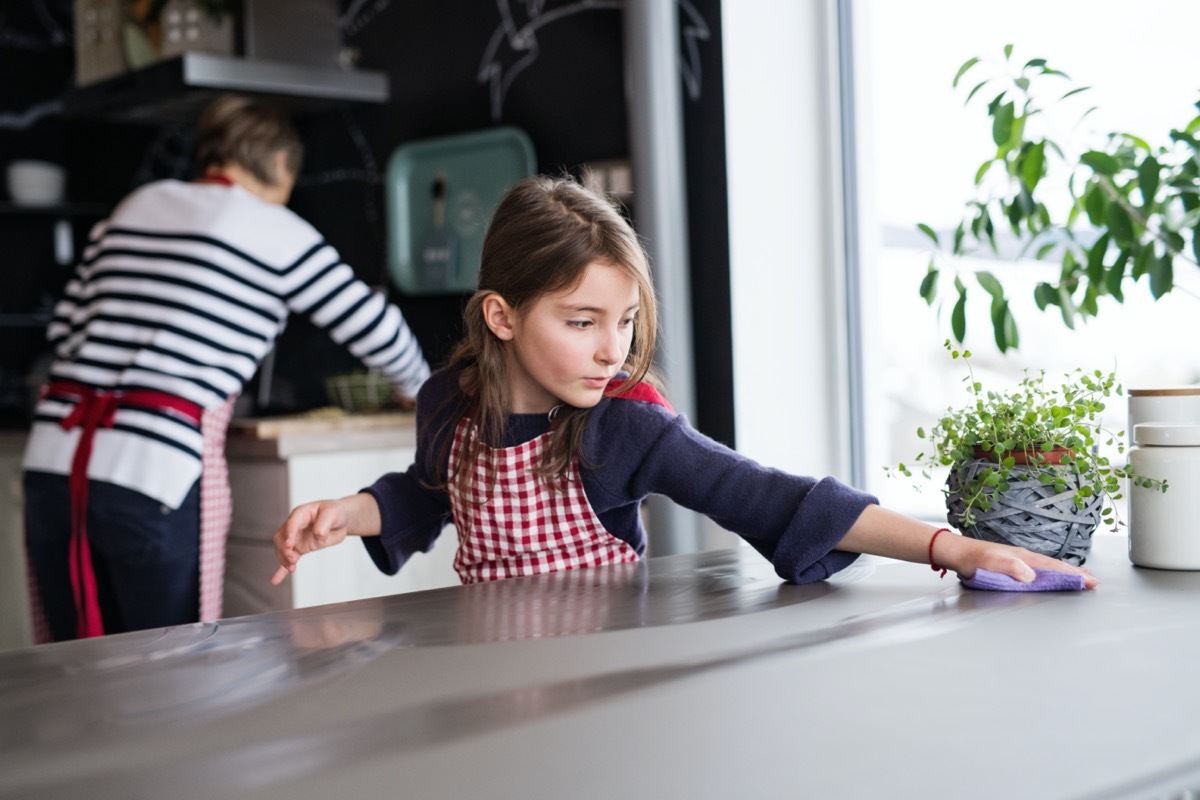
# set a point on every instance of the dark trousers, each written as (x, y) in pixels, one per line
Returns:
(146, 557)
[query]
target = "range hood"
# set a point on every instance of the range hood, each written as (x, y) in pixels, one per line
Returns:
(177, 88)
(166, 68)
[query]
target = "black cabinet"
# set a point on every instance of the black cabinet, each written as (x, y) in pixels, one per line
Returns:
(39, 247)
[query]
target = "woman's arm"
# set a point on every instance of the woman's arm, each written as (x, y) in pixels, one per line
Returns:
(886, 533)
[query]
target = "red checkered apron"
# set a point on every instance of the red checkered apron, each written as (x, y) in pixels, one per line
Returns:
(216, 509)
(519, 524)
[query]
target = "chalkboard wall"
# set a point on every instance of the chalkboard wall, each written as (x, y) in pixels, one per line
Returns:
(452, 69)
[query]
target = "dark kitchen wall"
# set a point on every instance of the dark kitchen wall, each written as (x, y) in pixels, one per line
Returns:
(453, 68)
(553, 69)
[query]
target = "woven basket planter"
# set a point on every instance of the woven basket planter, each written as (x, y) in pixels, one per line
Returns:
(1029, 514)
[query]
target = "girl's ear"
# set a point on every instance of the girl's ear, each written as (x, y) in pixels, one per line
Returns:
(499, 317)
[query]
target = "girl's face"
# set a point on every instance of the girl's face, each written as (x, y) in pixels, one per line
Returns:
(567, 345)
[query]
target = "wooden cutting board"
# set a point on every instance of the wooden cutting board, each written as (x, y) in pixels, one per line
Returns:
(320, 422)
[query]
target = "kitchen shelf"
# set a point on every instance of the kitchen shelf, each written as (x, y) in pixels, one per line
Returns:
(60, 210)
(176, 89)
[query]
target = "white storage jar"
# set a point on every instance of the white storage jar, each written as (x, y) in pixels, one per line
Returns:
(1180, 405)
(1164, 527)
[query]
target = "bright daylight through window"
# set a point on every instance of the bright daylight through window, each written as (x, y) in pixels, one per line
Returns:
(920, 148)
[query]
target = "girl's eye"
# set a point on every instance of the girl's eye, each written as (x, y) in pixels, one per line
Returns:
(580, 323)
(628, 322)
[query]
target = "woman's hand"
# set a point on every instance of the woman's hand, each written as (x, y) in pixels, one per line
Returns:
(314, 526)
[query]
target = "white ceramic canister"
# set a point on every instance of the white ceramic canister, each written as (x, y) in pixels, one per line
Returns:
(1164, 527)
(1179, 405)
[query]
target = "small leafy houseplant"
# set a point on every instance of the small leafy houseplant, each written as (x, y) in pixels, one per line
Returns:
(1025, 464)
(1110, 208)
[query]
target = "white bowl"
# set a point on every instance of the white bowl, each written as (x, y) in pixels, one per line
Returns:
(36, 183)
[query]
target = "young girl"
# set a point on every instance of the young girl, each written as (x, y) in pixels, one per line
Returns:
(542, 437)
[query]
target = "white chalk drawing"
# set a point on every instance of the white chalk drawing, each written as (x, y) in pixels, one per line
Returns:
(692, 29)
(368, 173)
(513, 46)
(50, 37)
(52, 34)
(57, 36)
(22, 120)
(359, 14)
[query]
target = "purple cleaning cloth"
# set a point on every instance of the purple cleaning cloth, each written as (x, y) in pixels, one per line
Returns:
(1047, 580)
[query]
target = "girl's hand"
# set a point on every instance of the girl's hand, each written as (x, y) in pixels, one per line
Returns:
(309, 527)
(965, 555)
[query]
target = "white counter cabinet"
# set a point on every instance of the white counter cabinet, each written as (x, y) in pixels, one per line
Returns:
(275, 465)
(14, 589)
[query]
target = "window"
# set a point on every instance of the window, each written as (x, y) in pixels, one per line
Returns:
(918, 152)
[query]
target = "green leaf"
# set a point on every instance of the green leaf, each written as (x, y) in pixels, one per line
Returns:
(1004, 328)
(1035, 164)
(1173, 241)
(928, 231)
(990, 285)
(973, 91)
(1008, 48)
(970, 62)
(1010, 329)
(1088, 306)
(983, 168)
(1044, 250)
(1193, 126)
(958, 317)
(1113, 278)
(1119, 223)
(999, 307)
(1002, 124)
(1148, 179)
(1137, 141)
(929, 285)
(1095, 201)
(1074, 92)
(1196, 242)
(1066, 305)
(1045, 295)
(1034, 62)
(1162, 276)
(1142, 262)
(1101, 163)
(1095, 260)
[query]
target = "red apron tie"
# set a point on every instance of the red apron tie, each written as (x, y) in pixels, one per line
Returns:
(95, 409)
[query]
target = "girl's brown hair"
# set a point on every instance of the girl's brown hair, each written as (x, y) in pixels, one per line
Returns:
(542, 237)
(247, 131)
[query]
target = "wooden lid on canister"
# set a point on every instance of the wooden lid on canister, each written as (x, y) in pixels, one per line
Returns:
(1179, 391)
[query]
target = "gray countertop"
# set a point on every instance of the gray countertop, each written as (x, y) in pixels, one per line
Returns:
(687, 676)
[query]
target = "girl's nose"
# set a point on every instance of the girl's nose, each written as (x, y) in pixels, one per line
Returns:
(608, 350)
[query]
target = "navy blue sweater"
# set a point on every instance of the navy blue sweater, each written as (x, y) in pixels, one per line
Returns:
(636, 448)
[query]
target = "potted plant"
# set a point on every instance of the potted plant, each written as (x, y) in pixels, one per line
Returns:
(1025, 464)
(1110, 207)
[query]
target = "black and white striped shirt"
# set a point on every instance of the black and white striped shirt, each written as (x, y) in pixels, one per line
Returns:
(184, 290)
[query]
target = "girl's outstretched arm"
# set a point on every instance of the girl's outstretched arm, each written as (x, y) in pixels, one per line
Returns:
(312, 526)
(886, 533)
